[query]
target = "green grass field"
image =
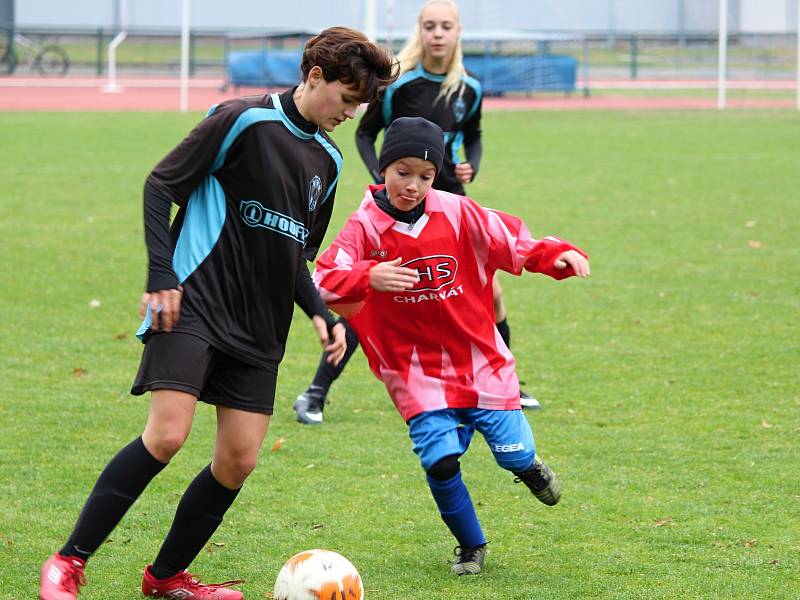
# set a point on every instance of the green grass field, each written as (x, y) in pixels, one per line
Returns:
(670, 379)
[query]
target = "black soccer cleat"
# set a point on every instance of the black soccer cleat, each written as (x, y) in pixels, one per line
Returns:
(542, 482)
(309, 406)
(469, 561)
(528, 401)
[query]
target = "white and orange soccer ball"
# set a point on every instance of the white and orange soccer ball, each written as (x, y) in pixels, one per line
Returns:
(318, 575)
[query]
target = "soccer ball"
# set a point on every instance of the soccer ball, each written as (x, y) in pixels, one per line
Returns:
(318, 575)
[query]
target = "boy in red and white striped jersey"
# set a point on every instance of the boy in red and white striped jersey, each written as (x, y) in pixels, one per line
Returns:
(412, 271)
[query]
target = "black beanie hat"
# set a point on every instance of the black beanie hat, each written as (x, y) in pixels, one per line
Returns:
(412, 136)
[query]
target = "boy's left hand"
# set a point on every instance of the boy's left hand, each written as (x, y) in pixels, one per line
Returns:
(574, 259)
(336, 347)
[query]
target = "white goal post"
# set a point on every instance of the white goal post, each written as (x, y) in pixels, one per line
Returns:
(112, 85)
(184, 101)
(797, 81)
(722, 62)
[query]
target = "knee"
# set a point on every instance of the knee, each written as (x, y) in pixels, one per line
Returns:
(445, 468)
(233, 468)
(164, 445)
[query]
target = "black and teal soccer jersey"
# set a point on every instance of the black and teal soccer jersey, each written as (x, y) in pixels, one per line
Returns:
(255, 183)
(414, 94)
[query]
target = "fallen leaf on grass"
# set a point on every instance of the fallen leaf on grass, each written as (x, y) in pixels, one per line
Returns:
(662, 522)
(750, 543)
(775, 561)
(754, 244)
(764, 424)
(212, 545)
(278, 444)
(80, 372)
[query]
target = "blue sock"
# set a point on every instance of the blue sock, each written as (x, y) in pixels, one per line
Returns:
(457, 511)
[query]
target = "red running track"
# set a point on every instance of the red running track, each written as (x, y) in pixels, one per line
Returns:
(163, 94)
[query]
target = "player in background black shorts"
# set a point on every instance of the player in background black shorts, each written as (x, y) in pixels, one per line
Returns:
(433, 84)
(255, 183)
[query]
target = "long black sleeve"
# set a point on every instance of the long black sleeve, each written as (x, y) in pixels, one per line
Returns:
(366, 134)
(157, 206)
(473, 148)
(307, 297)
(474, 152)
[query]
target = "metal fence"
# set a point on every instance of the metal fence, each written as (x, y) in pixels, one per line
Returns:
(623, 57)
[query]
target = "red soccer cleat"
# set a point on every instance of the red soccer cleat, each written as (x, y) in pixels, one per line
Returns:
(185, 586)
(61, 576)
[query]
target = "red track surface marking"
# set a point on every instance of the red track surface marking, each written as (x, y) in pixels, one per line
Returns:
(163, 94)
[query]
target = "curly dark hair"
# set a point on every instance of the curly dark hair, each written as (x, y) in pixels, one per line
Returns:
(348, 56)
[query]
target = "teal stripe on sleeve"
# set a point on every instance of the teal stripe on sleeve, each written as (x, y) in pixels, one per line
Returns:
(337, 158)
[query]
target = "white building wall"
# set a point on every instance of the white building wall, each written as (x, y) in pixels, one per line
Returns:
(769, 16)
(598, 16)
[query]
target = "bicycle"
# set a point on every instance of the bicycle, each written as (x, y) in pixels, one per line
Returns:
(49, 60)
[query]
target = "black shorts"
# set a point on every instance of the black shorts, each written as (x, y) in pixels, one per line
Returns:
(187, 363)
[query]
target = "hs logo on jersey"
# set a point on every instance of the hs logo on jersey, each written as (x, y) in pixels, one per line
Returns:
(314, 192)
(434, 272)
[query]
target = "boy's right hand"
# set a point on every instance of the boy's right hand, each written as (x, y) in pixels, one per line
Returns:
(389, 276)
(571, 258)
(164, 307)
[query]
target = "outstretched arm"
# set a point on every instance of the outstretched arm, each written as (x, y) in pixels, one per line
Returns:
(503, 242)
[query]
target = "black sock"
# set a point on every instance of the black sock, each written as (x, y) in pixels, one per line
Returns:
(327, 373)
(119, 485)
(199, 513)
(505, 331)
